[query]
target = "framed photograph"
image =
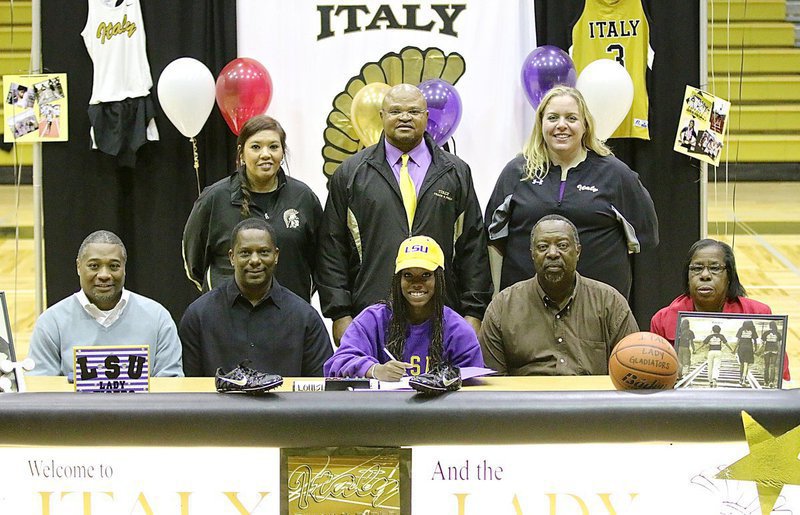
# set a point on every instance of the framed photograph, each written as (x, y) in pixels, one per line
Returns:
(730, 350)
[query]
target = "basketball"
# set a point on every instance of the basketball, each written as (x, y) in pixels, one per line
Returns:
(643, 361)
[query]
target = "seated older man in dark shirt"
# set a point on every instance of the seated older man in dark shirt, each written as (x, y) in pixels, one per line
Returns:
(253, 317)
(558, 322)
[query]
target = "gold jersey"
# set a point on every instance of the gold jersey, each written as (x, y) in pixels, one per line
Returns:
(617, 30)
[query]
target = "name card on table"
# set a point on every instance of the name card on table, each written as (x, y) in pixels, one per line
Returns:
(112, 369)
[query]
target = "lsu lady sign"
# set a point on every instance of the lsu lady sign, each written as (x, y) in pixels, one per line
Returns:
(112, 369)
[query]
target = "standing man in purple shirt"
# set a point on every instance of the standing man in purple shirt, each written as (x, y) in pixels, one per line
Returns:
(405, 185)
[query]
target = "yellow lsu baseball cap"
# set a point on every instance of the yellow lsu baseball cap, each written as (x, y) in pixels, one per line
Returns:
(419, 252)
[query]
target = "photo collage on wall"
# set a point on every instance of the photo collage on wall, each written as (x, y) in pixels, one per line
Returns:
(35, 108)
(701, 129)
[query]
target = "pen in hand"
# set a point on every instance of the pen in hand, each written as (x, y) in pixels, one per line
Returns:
(389, 354)
(395, 369)
(391, 357)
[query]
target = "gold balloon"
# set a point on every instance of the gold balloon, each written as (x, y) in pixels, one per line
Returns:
(365, 112)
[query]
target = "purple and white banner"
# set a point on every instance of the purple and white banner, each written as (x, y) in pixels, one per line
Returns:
(112, 369)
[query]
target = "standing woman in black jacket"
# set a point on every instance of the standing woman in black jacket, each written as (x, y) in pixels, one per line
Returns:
(566, 170)
(258, 188)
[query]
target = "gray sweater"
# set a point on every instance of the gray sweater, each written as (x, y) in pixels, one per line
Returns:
(66, 325)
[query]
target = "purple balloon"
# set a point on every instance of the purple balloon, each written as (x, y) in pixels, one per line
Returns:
(545, 67)
(444, 109)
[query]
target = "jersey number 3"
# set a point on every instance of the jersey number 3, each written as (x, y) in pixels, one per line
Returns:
(619, 50)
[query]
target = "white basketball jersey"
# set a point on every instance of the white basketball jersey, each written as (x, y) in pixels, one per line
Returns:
(115, 39)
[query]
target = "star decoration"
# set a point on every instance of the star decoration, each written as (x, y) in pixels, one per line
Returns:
(772, 462)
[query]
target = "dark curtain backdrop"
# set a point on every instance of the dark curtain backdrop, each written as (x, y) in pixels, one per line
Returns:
(671, 178)
(84, 190)
(147, 206)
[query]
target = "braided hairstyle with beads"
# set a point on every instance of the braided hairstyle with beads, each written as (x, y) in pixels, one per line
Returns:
(399, 323)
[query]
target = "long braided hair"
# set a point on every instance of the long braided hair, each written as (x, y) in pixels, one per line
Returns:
(253, 126)
(399, 323)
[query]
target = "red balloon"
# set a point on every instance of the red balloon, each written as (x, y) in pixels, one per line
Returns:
(244, 90)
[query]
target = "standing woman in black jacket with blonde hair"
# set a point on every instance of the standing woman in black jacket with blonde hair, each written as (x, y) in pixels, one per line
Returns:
(564, 169)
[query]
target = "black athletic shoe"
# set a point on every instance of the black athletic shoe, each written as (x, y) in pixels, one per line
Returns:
(245, 379)
(443, 378)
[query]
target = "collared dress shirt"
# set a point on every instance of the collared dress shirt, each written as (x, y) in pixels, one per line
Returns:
(526, 333)
(418, 164)
(104, 318)
(281, 334)
(74, 321)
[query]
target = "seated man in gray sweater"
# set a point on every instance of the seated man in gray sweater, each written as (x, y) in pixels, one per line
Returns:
(103, 312)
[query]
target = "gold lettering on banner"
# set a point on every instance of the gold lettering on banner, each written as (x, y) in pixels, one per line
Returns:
(581, 504)
(140, 505)
(106, 31)
(606, 498)
(462, 503)
(45, 496)
(517, 507)
(141, 500)
(233, 497)
(87, 500)
(552, 499)
(184, 502)
(370, 483)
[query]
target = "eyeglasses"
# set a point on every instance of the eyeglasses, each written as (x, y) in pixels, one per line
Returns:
(712, 269)
(415, 113)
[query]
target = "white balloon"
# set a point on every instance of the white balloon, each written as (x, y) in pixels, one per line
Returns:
(186, 91)
(608, 89)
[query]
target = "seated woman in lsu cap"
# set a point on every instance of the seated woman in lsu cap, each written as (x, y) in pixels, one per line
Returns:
(413, 331)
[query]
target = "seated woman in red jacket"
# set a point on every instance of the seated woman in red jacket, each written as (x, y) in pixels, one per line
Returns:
(712, 285)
